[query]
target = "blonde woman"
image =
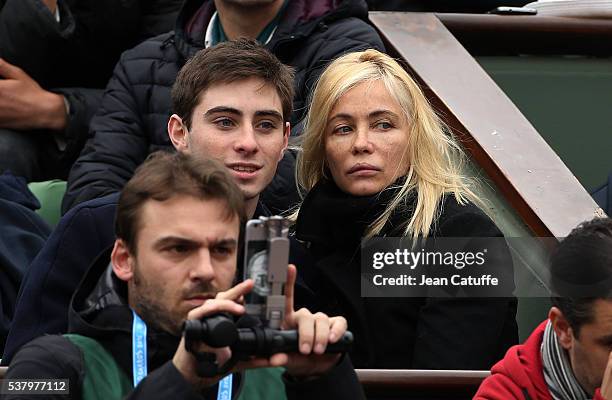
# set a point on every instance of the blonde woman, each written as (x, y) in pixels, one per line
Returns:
(376, 161)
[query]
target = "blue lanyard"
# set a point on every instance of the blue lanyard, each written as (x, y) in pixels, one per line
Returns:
(139, 359)
(139, 349)
(225, 388)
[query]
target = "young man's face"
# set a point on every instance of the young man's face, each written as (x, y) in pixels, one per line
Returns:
(186, 253)
(241, 125)
(590, 351)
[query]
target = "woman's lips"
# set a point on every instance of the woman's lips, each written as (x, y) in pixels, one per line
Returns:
(363, 169)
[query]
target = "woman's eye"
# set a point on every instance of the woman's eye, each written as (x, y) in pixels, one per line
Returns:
(343, 129)
(384, 125)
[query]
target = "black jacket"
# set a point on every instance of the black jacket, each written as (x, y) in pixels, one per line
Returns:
(99, 310)
(132, 121)
(76, 56)
(54, 275)
(82, 49)
(404, 332)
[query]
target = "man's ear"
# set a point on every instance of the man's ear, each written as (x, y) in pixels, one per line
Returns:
(562, 328)
(122, 261)
(178, 132)
(286, 134)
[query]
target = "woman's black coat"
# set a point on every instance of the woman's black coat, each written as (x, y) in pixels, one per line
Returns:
(422, 333)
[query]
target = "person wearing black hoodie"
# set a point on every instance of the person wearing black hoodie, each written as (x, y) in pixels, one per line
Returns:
(134, 114)
(177, 225)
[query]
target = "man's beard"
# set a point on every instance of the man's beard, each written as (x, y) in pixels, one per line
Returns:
(148, 303)
(156, 316)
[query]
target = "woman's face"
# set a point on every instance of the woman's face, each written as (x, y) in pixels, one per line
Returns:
(365, 140)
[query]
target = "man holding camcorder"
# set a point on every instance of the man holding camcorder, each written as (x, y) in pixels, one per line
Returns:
(178, 223)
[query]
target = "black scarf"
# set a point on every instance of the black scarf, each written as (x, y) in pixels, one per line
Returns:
(330, 216)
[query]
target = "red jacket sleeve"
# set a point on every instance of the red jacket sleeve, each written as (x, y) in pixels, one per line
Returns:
(499, 387)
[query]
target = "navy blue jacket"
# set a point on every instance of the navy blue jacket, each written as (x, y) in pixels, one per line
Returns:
(23, 234)
(54, 274)
(603, 195)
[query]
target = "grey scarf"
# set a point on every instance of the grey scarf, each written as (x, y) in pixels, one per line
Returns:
(558, 373)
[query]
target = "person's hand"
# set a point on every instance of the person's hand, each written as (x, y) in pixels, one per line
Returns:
(315, 332)
(606, 384)
(24, 105)
(227, 302)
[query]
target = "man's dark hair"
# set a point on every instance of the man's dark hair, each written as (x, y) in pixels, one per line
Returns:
(166, 175)
(581, 271)
(229, 62)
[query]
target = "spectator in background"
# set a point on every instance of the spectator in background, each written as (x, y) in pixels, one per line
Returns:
(22, 235)
(55, 59)
(603, 195)
(133, 117)
(569, 356)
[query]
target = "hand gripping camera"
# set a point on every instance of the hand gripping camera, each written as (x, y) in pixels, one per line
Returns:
(257, 333)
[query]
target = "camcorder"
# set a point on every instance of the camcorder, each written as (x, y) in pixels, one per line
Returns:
(257, 333)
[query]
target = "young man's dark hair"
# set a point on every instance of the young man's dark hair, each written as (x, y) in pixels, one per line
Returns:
(230, 62)
(581, 271)
(164, 175)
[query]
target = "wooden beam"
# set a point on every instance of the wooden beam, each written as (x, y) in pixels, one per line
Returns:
(407, 384)
(488, 34)
(533, 179)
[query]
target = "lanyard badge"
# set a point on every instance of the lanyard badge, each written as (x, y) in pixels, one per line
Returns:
(139, 359)
(139, 349)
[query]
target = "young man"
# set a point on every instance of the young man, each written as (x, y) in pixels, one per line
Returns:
(134, 112)
(178, 223)
(569, 356)
(238, 115)
(231, 103)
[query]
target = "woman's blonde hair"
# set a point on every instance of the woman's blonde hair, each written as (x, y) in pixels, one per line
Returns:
(435, 158)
